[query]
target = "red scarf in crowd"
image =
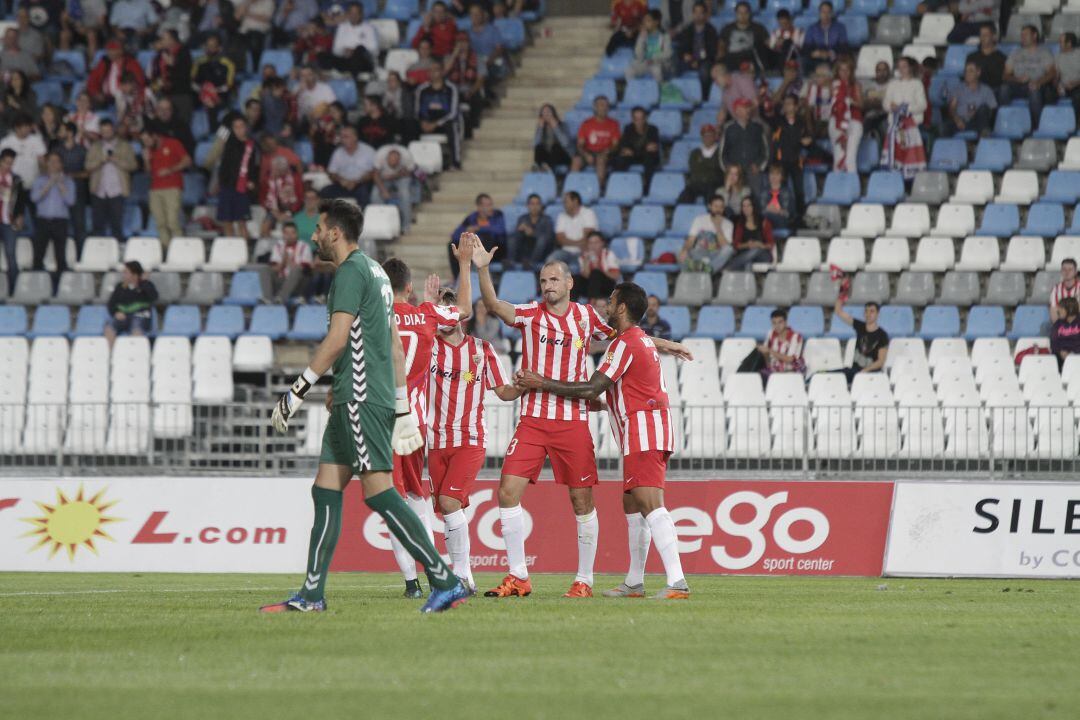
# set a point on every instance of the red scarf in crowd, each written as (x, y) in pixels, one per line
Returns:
(242, 176)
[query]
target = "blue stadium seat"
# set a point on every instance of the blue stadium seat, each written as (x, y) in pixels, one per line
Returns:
(310, 323)
(12, 320)
(857, 26)
(690, 88)
(813, 6)
(949, 155)
(955, 59)
(513, 211)
(756, 322)
(614, 67)
(898, 320)
(200, 124)
(344, 91)
(641, 91)
(541, 183)
(585, 184)
(202, 151)
(244, 290)
(133, 222)
(885, 187)
(678, 316)
(628, 260)
(140, 188)
(400, 10)
(76, 60)
(1046, 219)
(90, 322)
(517, 286)
(868, 156)
(1013, 122)
(410, 32)
(683, 218)
(270, 320)
(282, 60)
(512, 30)
(659, 247)
(1000, 220)
(594, 88)
(940, 321)
(610, 218)
(1030, 321)
(573, 119)
(1056, 122)
(49, 91)
(1062, 186)
(646, 221)
(50, 320)
(841, 188)
(941, 88)
(873, 8)
(654, 283)
(623, 188)
(792, 6)
(247, 89)
(668, 122)
(807, 320)
(716, 322)
(228, 320)
(906, 7)
(304, 151)
(181, 320)
(840, 329)
(194, 189)
(679, 160)
(994, 154)
(701, 116)
(665, 188)
(985, 321)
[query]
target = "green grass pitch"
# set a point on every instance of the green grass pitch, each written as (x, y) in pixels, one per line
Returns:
(177, 646)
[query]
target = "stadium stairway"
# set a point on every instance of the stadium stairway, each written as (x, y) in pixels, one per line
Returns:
(565, 51)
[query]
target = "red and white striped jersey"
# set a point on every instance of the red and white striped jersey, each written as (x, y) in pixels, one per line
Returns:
(556, 346)
(460, 374)
(417, 325)
(1060, 292)
(790, 343)
(638, 399)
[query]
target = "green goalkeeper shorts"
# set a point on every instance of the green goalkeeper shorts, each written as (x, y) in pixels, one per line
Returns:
(358, 435)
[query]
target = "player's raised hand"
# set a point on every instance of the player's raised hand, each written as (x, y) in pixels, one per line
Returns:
(528, 380)
(482, 258)
(463, 251)
(431, 288)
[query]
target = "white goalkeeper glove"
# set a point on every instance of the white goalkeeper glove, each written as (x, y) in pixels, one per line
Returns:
(291, 401)
(406, 438)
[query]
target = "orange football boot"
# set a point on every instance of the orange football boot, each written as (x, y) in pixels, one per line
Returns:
(578, 590)
(511, 586)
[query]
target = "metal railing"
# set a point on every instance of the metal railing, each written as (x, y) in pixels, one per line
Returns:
(777, 441)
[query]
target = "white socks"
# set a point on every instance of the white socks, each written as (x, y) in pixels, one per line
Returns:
(588, 530)
(513, 532)
(639, 537)
(404, 559)
(667, 543)
(457, 544)
(422, 507)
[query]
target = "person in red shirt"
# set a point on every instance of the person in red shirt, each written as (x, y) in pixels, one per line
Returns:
(632, 382)
(167, 160)
(626, 17)
(597, 139)
(103, 84)
(439, 28)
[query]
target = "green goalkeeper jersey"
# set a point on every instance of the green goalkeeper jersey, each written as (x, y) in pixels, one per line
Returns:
(364, 373)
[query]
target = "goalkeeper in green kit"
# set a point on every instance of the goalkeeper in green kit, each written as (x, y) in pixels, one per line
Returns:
(370, 417)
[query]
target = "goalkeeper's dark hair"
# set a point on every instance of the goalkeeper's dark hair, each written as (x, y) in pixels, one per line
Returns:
(399, 274)
(635, 299)
(345, 216)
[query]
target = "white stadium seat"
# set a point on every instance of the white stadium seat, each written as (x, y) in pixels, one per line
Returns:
(1019, 187)
(910, 220)
(955, 220)
(185, 254)
(865, 220)
(400, 59)
(935, 28)
(99, 254)
(1065, 246)
(801, 254)
(227, 254)
(975, 187)
(934, 254)
(889, 254)
(847, 253)
(47, 396)
(14, 354)
(979, 254)
(427, 156)
(145, 250)
(253, 353)
(1025, 253)
(822, 354)
(869, 57)
(381, 222)
(1071, 160)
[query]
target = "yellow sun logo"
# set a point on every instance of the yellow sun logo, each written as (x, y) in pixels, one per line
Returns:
(71, 522)
(467, 376)
(579, 343)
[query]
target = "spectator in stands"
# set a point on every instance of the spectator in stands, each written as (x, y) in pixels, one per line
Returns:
(598, 268)
(351, 169)
(48, 125)
(782, 349)
(53, 195)
(290, 266)
(313, 41)
(1067, 66)
(487, 41)
(745, 142)
(652, 50)
(307, 217)
(170, 73)
(1068, 287)
(596, 140)
(734, 189)
(696, 46)
(166, 121)
(746, 41)
(110, 162)
(1029, 73)
(282, 194)
(134, 19)
(356, 43)
(85, 21)
(18, 98)
(418, 72)
(776, 202)
(255, 18)
(974, 14)
(438, 27)
(28, 146)
(786, 40)
(377, 128)
(326, 133)
(705, 174)
(279, 108)
(131, 303)
(1065, 331)
(791, 83)
(31, 39)
(87, 123)
(464, 70)
(12, 207)
(438, 111)
(213, 76)
(991, 61)
(212, 17)
(103, 83)
(73, 162)
(845, 118)
(708, 245)
(253, 115)
(13, 58)
(238, 179)
(572, 226)
(533, 238)
(271, 150)
(789, 139)
(487, 222)
(484, 325)
(971, 105)
(552, 146)
(817, 98)
(654, 325)
(395, 183)
(626, 19)
(824, 40)
(905, 99)
(290, 16)
(733, 86)
(399, 102)
(873, 95)
(166, 159)
(130, 107)
(752, 238)
(871, 340)
(313, 96)
(638, 145)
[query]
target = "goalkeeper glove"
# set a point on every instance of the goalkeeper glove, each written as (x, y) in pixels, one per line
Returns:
(406, 438)
(291, 401)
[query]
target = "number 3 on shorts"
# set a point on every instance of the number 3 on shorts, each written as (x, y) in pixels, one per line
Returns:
(512, 447)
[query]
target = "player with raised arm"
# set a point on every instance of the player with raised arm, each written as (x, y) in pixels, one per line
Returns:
(370, 416)
(417, 326)
(556, 335)
(631, 379)
(462, 369)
